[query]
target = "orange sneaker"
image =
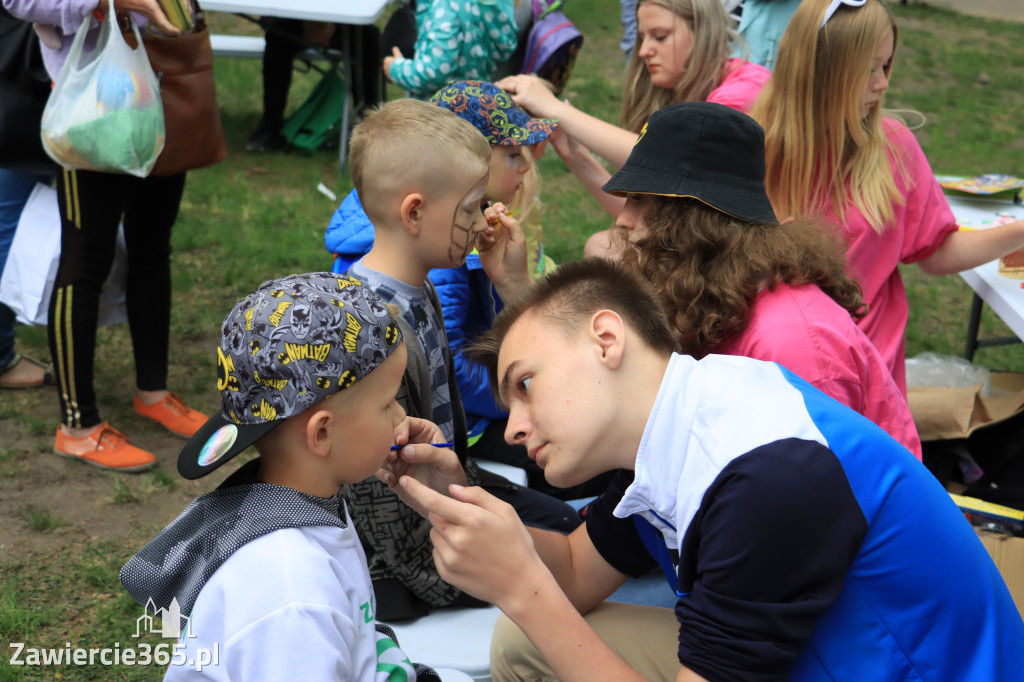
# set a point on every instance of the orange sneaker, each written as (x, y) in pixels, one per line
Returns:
(172, 414)
(106, 448)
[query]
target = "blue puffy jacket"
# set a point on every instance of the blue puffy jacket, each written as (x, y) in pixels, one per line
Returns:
(349, 234)
(468, 300)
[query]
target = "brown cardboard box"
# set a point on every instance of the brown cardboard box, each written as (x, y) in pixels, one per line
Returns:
(1008, 553)
(942, 413)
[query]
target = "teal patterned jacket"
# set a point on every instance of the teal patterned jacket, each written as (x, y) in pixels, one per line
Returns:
(456, 40)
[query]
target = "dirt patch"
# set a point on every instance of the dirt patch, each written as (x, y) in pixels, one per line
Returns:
(48, 501)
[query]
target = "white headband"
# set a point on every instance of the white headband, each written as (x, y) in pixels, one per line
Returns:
(834, 5)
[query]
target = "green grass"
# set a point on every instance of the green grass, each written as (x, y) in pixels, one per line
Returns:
(123, 494)
(82, 606)
(255, 217)
(19, 617)
(40, 519)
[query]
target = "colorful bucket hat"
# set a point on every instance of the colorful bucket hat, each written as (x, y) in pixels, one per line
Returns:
(492, 111)
(285, 347)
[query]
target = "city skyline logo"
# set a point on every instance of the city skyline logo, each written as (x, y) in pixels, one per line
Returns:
(170, 626)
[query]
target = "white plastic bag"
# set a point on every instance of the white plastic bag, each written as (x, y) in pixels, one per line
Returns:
(32, 264)
(105, 112)
(949, 371)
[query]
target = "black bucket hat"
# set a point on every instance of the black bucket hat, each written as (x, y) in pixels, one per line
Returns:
(703, 151)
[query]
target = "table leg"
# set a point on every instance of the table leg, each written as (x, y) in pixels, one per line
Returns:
(973, 326)
(973, 323)
(347, 56)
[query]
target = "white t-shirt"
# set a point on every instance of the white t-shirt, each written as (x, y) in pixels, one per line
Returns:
(295, 604)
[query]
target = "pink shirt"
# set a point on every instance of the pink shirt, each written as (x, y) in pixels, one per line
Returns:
(808, 333)
(741, 86)
(920, 226)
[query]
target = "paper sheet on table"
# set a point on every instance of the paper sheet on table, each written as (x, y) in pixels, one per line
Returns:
(981, 212)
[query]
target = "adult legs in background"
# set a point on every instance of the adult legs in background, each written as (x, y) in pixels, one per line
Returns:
(92, 205)
(283, 37)
(15, 370)
(628, 17)
(646, 637)
(367, 76)
(150, 213)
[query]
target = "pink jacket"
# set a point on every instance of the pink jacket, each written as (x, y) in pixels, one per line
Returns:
(920, 226)
(741, 86)
(808, 333)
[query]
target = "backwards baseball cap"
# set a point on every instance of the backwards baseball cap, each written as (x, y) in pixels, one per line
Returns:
(283, 348)
(703, 151)
(492, 111)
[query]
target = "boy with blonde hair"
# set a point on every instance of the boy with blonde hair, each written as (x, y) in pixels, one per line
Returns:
(421, 173)
(393, 150)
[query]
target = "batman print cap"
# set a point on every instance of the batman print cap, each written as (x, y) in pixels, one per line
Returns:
(283, 348)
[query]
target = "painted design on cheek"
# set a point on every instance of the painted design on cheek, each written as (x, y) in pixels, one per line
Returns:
(463, 235)
(463, 238)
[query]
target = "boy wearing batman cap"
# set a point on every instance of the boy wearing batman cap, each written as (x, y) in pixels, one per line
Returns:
(268, 568)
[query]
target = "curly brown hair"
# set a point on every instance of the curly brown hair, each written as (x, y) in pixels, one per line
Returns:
(707, 267)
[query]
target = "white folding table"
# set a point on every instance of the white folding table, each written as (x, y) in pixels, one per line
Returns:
(1003, 294)
(358, 12)
(353, 12)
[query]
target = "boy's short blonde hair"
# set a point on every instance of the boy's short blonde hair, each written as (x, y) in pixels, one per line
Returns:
(407, 145)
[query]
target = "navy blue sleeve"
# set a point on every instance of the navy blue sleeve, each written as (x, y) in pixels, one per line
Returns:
(763, 559)
(617, 540)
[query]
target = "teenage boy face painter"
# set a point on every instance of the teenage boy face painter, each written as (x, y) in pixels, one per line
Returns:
(799, 538)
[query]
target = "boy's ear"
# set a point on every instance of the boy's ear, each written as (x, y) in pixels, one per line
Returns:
(607, 332)
(318, 432)
(412, 213)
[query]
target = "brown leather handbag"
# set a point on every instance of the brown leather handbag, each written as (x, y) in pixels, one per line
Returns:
(184, 65)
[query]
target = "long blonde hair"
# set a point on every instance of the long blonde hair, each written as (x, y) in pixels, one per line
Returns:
(713, 33)
(526, 196)
(819, 152)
